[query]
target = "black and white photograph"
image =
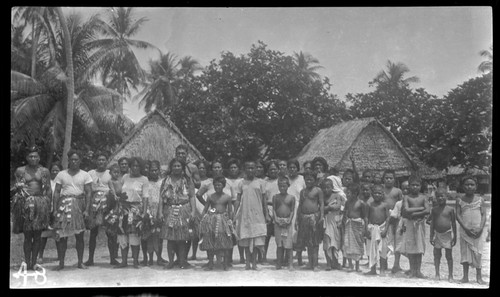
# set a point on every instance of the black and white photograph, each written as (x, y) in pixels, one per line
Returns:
(251, 146)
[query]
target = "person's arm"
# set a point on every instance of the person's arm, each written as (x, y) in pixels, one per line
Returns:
(453, 227)
(293, 209)
(460, 219)
(387, 218)
(87, 188)
(206, 206)
(237, 202)
(230, 208)
(424, 212)
(479, 231)
(145, 196)
(301, 200)
(46, 184)
(356, 176)
(200, 193)
(195, 176)
(274, 207)
(192, 200)
(160, 202)
(431, 227)
(112, 189)
(264, 208)
(321, 205)
(57, 194)
(364, 214)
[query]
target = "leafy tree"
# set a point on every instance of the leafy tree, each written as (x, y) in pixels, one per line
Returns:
(486, 66)
(254, 105)
(115, 60)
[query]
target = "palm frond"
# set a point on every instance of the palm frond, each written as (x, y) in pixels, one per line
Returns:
(25, 85)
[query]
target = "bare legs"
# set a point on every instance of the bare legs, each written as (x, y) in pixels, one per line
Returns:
(31, 246)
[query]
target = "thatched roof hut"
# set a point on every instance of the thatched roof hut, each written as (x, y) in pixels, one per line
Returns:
(375, 147)
(155, 137)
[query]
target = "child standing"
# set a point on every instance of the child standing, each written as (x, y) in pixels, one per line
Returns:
(355, 226)
(216, 227)
(310, 220)
(415, 208)
(443, 232)
(252, 216)
(332, 239)
(283, 210)
(378, 219)
(233, 179)
(392, 196)
(471, 217)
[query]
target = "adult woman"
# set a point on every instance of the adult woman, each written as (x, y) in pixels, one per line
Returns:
(320, 167)
(31, 204)
(71, 206)
(271, 189)
(100, 206)
(177, 209)
(152, 226)
(297, 183)
(54, 170)
(123, 162)
(136, 188)
(203, 166)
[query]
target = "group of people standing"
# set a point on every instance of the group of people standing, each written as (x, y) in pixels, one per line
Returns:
(197, 205)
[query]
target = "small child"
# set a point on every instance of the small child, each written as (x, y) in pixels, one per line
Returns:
(216, 227)
(415, 208)
(116, 180)
(355, 226)
(471, 217)
(283, 210)
(443, 232)
(310, 220)
(378, 219)
(347, 180)
(332, 239)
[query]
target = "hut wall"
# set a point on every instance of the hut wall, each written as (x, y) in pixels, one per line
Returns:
(155, 141)
(375, 150)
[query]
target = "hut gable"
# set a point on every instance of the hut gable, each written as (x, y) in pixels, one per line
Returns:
(155, 137)
(374, 147)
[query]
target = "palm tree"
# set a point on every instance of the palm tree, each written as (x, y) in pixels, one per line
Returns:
(486, 66)
(38, 104)
(394, 76)
(165, 74)
(305, 62)
(115, 59)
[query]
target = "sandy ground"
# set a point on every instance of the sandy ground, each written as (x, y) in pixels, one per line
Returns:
(102, 275)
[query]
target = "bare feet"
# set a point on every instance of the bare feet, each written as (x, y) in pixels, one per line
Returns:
(480, 281)
(290, 268)
(89, 263)
(451, 280)
(278, 267)
(247, 267)
(209, 267)
(59, 267)
(437, 277)
(371, 272)
(315, 269)
(82, 266)
(396, 269)
(464, 280)
(169, 265)
(328, 268)
(420, 275)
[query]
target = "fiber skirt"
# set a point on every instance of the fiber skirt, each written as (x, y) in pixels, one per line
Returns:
(69, 218)
(98, 209)
(309, 233)
(215, 232)
(30, 213)
(176, 223)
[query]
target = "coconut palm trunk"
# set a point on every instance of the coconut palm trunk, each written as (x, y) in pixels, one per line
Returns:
(70, 87)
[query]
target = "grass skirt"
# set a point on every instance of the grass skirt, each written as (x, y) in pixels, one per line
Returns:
(176, 224)
(69, 219)
(309, 233)
(215, 232)
(98, 209)
(30, 212)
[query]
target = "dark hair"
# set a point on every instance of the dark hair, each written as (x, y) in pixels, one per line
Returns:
(123, 158)
(155, 162)
(204, 162)
(33, 149)
(322, 161)
(413, 178)
(172, 163)
(354, 189)
(294, 162)
(270, 162)
(306, 162)
(233, 161)
(377, 186)
(283, 179)
(113, 166)
(366, 171)
(55, 164)
(441, 191)
(465, 178)
(388, 171)
(219, 179)
(334, 171)
(101, 153)
(306, 175)
(139, 161)
(355, 177)
(324, 181)
(74, 151)
(181, 146)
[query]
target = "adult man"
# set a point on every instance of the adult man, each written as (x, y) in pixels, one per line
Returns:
(181, 152)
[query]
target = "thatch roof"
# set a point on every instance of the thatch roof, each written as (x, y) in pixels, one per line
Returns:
(155, 137)
(376, 148)
(459, 170)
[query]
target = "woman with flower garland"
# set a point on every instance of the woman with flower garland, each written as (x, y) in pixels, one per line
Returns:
(177, 209)
(132, 207)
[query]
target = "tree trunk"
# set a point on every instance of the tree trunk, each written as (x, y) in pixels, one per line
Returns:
(34, 37)
(70, 87)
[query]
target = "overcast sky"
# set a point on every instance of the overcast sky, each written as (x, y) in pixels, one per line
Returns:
(440, 45)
